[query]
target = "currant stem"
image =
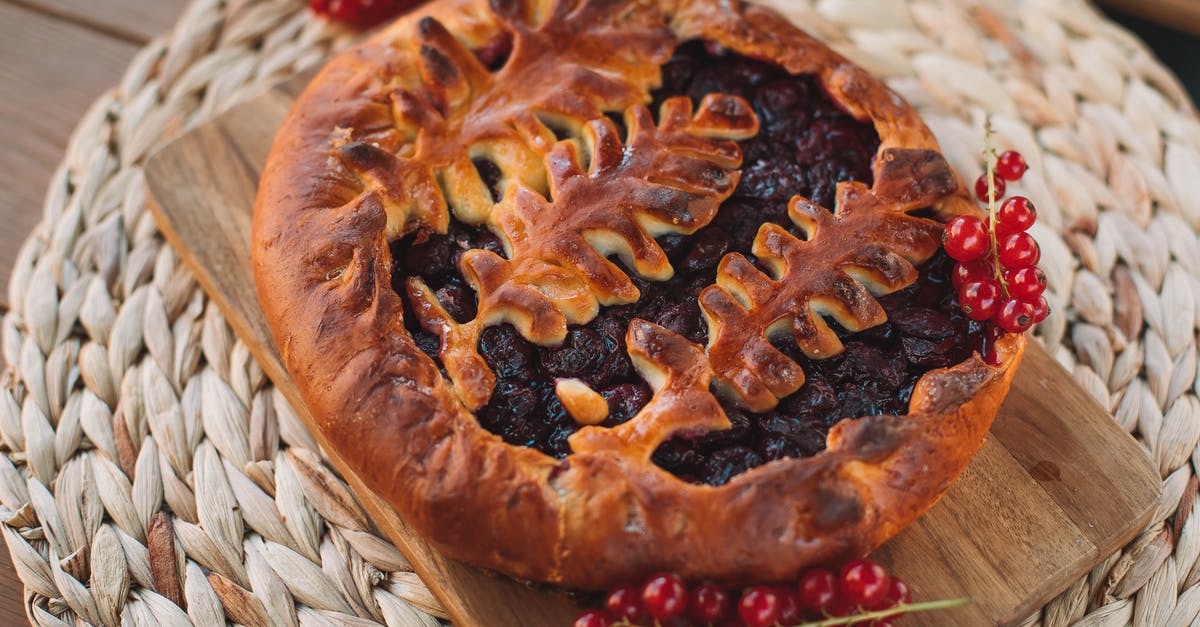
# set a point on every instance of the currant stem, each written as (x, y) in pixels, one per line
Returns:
(903, 608)
(990, 157)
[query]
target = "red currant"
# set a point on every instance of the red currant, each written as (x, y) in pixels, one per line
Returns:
(790, 612)
(708, 603)
(1016, 316)
(1018, 250)
(1016, 214)
(981, 188)
(593, 618)
(1010, 165)
(340, 10)
(840, 607)
(759, 607)
(818, 589)
(897, 594)
(665, 596)
(864, 583)
(980, 300)
(1025, 283)
(966, 238)
(625, 603)
(379, 11)
(1041, 309)
(360, 13)
(967, 271)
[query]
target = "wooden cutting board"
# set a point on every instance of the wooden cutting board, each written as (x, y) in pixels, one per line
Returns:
(1058, 487)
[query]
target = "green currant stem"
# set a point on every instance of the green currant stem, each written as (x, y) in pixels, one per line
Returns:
(903, 608)
(834, 621)
(990, 156)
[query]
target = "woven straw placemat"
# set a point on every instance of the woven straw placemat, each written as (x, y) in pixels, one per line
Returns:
(152, 475)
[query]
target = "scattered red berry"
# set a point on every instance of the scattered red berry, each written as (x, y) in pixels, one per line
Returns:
(625, 603)
(818, 589)
(708, 603)
(342, 10)
(981, 188)
(759, 607)
(1018, 250)
(1015, 316)
(360, 13)
(980, 300)
(790, 612)
(898, 593)
(1025, 283)
(864, 583)
(665, 597)
(967, 271)
(1010, 166)
(862, 587)
(840, 607)
(1041, 309)
(966, 238)
(1016, 214)
(593, 618)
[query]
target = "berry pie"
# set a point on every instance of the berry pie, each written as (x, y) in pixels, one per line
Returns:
(589, 289)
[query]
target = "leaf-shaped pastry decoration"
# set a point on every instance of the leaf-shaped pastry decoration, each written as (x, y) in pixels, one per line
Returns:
(680, 376)
(669, 178)
(450, 109)
(867, 246)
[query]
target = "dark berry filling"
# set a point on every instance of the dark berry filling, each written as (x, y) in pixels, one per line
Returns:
(876, 373)
(806, 145)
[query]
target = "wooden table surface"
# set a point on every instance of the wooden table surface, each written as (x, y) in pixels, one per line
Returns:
(56, 58)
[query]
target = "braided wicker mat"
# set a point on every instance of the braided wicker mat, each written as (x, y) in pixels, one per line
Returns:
(144, 450)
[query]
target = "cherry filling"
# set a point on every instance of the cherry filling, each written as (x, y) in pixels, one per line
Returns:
(806, 145)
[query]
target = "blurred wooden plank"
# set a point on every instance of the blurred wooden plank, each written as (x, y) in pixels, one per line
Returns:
(12, 593)
(131, 20)
(52, 71)
(1181, 15)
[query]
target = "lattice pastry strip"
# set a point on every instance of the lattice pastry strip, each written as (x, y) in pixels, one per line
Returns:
(867, 246)
(669, 178)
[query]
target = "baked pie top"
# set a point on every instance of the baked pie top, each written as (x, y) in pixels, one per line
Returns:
(484, 186)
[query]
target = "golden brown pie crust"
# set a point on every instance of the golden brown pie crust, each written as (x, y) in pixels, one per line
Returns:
(371, 150)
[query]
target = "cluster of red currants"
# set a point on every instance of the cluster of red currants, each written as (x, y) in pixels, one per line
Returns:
(996, 276)
(861, 586)
(361, 13)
